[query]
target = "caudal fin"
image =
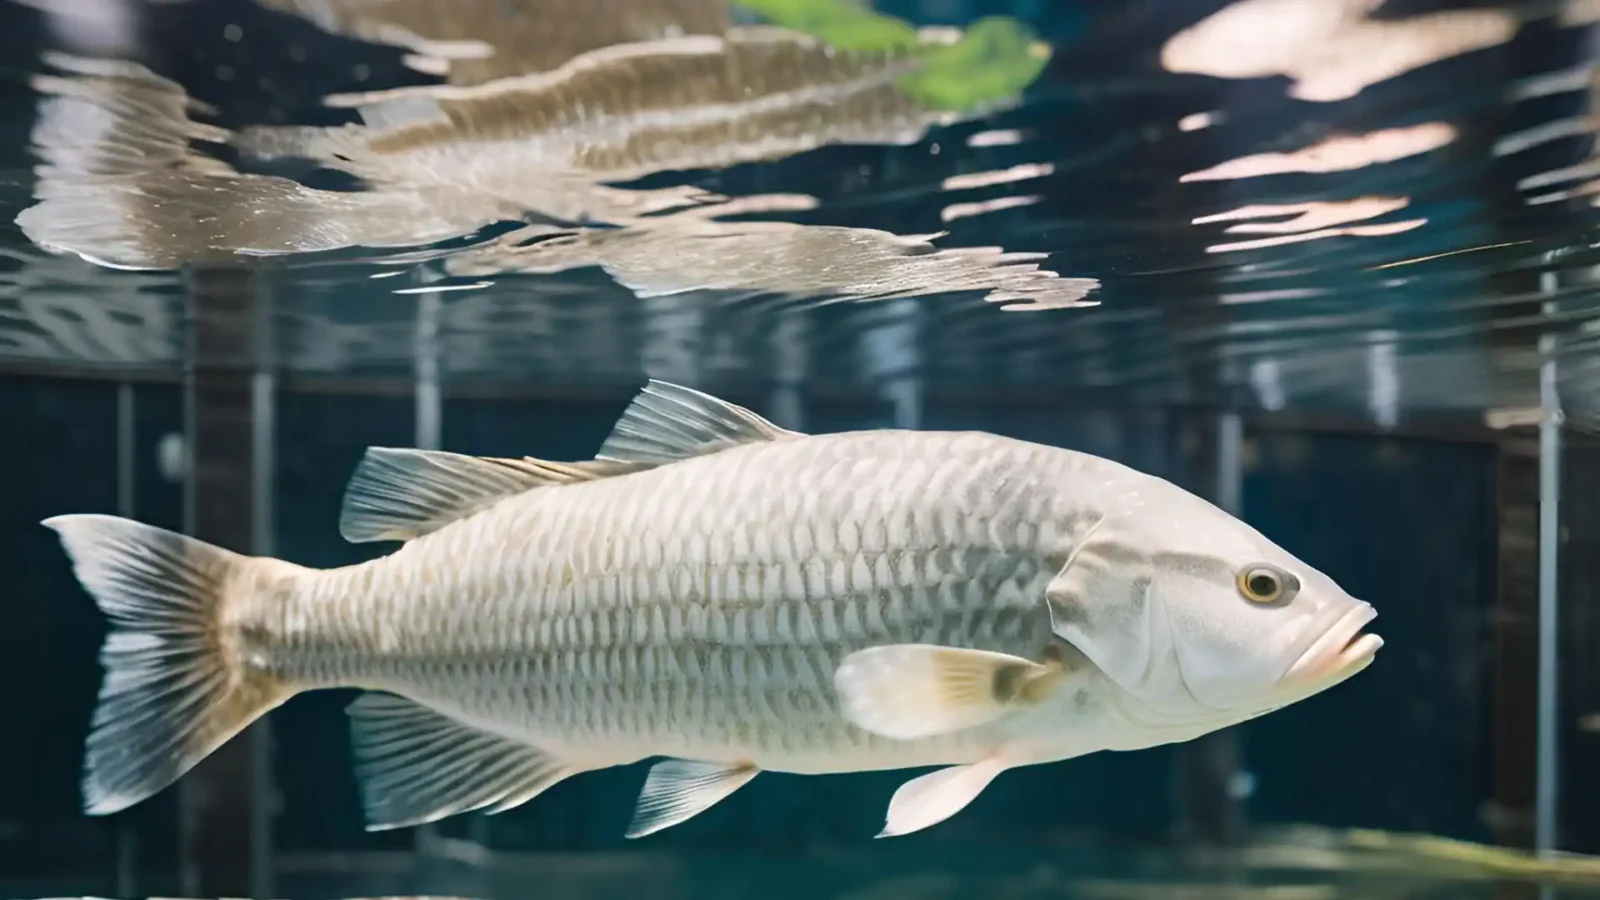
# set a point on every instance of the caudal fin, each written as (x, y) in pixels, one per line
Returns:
(174, 687)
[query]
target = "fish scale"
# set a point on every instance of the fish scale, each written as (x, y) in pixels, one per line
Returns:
(567, 588)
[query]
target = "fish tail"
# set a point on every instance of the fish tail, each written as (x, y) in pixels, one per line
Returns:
(176, 685)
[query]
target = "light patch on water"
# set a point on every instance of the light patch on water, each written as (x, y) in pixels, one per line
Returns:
(101, 27)
(1199, 120)
(1237, 297)
(1016, 173)
(1338, 153)
(1304, 216)
(1331, 49)
(441, 288)
(982, 207)
(999, 137)
(1382, 230)
(1309, 221)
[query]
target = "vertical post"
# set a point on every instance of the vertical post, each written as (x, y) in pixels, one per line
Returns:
(674, 337)
(1209, 777)
(429, 400)
(893, 354)
(1230, 463)
(1383, 377)
(125, 451)
(127, 837)
(427, 434)
(1546, 775)
(263, 471)
(224, 817)
(802, 817)
(1514, 619)
(1526, 615)
(789, 351)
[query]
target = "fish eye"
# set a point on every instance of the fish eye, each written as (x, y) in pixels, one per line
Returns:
(1261, 583)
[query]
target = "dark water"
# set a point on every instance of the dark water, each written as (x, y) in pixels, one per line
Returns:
(1366, 229)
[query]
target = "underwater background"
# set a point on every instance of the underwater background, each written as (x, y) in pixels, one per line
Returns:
(1329, 263)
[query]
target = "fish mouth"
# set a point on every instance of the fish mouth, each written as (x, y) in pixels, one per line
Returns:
(1340, 652)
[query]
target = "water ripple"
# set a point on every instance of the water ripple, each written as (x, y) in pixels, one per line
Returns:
(1319, 204)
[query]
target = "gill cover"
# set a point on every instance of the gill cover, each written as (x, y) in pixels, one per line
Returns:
(1103, 603)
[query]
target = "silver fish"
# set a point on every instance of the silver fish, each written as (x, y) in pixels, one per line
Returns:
(720, 591)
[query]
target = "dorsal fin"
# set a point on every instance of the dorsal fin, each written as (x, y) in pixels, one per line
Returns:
(397, 494)
(669, 422)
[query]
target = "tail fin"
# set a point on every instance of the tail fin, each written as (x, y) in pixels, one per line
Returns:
(174, 689)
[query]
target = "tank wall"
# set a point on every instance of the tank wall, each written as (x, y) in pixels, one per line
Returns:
(1405, 523)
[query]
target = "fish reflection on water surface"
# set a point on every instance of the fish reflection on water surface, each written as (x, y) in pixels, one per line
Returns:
(731, 595)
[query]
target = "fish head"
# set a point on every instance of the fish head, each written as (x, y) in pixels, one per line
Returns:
(1200, 618)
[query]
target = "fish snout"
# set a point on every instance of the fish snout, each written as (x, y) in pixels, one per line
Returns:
(1343, 649)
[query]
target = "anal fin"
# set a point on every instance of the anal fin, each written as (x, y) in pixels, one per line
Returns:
(909, 691)
(415, 765)
(397, 494)
(679, 789)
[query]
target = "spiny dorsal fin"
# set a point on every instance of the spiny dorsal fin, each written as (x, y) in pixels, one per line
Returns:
(415, 765)
(397, 494)
(669, 422)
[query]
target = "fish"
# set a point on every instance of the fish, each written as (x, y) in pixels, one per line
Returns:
(726, 595)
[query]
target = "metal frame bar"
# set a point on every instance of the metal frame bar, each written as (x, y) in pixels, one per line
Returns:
(1547, 773)
(224, 818)
(427, 430)
(263, 542)
(126, 875)
(1207, 807)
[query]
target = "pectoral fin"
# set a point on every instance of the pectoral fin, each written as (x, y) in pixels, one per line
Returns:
(909, 691)
(679, 789)
(936, 796)
(415, 765)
